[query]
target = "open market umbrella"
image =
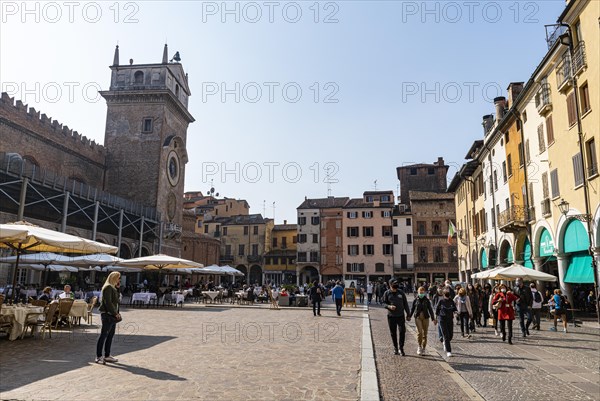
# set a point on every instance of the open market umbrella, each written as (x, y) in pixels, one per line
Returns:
(28, 237)
(160, 262)
(486, 274)
(519, 271)
(97, 259)
(53, 268)
(43, 259)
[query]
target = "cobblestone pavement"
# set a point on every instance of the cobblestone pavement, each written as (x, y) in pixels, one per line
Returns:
(545, 366)
(212, 353)
(411, 377)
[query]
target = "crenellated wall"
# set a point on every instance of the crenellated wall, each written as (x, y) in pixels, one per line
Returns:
(48, 143)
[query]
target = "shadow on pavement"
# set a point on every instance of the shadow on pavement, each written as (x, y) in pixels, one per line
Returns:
(463, 367)
(26, 361)
(153, 374)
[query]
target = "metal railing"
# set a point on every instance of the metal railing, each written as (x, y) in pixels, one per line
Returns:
(579, 57)
(564, 71)
(513, 215)
(542, 98)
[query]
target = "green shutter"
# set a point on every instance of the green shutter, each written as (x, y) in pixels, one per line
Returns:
(527, 254)
(509, 255)
(484, 260)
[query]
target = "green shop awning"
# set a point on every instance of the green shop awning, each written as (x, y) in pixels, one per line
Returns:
(576, 237)
(509, 255)
(580, 269)
(484, 259)
(546, 244)
(527, 254)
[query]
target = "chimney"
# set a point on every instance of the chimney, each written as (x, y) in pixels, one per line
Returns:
(500, 103)
(116, 58)
(514, 89)
(284, 221)
(488, 122)
(440, 161)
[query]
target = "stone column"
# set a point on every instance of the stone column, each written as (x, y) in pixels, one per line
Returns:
(563, 265)
(537, 264)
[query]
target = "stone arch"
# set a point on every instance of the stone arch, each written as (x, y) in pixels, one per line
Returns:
(138, 77)
(484, 261)
(475, 265)
(256, 274)
(310, 273)
(506, 253)
(561, 227)
(243, 269)
(521, 242)
(125, 251)
(537, 234)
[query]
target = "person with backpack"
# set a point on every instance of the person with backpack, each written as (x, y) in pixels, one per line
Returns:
(397, 306)
(523, 305)
(506, 312)
(465, 312)
(422, 311)
(316, 296)
(536, 306)
(561, 305)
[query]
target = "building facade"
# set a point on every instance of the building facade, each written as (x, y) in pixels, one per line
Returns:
(280, 261)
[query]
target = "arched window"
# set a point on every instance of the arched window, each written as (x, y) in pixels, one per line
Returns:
(177, 90)
(138, 77)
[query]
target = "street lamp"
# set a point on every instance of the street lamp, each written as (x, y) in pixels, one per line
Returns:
(564, 208)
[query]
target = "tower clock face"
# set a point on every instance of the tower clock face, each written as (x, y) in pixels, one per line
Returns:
(173, 168)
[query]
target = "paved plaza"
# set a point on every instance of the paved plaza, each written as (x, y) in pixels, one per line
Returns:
(219, 352)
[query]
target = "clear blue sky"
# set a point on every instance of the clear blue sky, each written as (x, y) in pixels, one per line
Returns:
(374, 61)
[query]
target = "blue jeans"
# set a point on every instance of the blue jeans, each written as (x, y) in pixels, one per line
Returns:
(109, 324)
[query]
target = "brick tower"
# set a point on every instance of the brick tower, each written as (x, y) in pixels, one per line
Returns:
(146, 134)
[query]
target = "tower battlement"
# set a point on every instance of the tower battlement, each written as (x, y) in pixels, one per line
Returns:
(19, 113)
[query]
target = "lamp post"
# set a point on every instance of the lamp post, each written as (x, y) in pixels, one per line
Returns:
(564, 208)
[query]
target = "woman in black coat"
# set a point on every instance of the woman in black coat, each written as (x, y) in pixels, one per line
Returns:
(316, 296)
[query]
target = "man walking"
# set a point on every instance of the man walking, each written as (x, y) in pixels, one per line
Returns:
(524, 304)
(536, 306)
(369, 292)
(337, 295)
(397, 306)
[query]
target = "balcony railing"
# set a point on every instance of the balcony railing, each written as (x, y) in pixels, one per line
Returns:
(542, 99)
(546, 208)
(579, 58)
(513, 218)
(254, 258)
(226, 258)
(564, 71)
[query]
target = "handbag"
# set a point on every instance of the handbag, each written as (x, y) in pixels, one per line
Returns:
(118, 317)
(497, 305)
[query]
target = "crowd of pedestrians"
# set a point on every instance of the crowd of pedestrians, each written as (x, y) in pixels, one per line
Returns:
(469, 307)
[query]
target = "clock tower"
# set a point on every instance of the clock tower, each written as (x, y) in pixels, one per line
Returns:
(146, 134)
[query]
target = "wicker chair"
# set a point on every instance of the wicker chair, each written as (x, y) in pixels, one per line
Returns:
(64, 307)
(45, 324)
(90, 309)
(31, 320)
(6, 322)
(36, 302)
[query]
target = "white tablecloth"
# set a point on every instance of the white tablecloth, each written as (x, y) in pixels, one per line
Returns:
(177, 297)
(79, 309)
(145, 297)
(211, 294)
(19, 314)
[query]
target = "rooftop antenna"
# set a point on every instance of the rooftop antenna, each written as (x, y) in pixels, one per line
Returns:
(375, 185)
(273, 211)
(264, 208)
(328, 181)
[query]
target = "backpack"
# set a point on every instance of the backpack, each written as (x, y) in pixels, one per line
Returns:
(558, 303)
(537, 297)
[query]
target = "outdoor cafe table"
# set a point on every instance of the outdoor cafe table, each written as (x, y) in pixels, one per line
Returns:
(79, 309)
(145, 297)
(179, 298)
(19, 314)
(212, 294)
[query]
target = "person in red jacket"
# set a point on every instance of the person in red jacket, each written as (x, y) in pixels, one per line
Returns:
(504, 301)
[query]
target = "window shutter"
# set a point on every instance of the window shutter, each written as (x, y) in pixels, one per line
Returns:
(571, 108)
(531, 200)
(545, 185)
(554, 183)
(577, 169)
(527, 153)
(550, 130)
(542, 145)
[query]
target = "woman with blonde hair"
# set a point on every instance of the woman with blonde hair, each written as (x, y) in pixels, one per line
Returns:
(109, 308)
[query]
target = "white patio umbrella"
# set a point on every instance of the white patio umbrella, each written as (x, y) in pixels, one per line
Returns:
(43, 240)
(231, 270)
(117, 269)
(519, 271)
(53, 268)
(97, 259)
(159, 262)
(484, 275)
